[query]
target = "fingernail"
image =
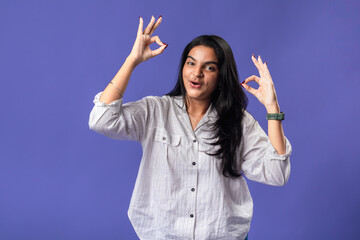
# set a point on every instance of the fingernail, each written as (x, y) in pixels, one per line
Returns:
(253, 56)
(160, 16)
(166, 46)
(266, 63)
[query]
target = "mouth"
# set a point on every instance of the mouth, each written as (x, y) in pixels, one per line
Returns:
(195, 84)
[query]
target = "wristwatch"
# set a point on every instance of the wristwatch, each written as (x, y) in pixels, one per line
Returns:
(275, 116)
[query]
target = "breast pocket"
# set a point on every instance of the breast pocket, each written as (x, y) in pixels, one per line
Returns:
(167, 162)
(168, 150)
(164, 137)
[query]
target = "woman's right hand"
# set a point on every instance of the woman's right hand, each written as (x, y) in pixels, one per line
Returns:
(141, 50)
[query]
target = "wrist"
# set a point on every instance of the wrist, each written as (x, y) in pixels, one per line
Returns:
(131, 61)
(274, 108)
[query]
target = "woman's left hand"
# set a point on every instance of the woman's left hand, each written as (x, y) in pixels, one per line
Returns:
(266, 92)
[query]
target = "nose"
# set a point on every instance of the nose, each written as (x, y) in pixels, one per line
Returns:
(197, 72)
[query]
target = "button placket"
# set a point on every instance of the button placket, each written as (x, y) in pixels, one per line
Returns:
(194, 177)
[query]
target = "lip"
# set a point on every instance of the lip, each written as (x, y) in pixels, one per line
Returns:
(198, 85)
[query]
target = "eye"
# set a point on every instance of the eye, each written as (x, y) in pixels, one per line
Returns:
(210, 68)
(190, 63)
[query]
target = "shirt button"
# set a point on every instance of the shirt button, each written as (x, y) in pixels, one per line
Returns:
(191, 215)
(194, 163)
(194, 140)
(164, 138)
(193, 189)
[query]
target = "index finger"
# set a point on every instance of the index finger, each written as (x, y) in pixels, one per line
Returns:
(252, 78)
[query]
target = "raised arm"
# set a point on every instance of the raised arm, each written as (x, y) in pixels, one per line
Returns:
(267, 96)
(140, 52)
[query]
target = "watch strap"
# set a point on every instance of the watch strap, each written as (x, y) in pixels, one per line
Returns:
(275, 116)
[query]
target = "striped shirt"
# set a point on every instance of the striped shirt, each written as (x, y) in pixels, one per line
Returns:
(180, 192)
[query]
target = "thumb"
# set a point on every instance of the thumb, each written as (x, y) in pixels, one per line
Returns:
(248, 88)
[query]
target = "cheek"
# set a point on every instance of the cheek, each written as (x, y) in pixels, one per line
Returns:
(184, 75)
(214, 81)
(185, 72)
(184, 79)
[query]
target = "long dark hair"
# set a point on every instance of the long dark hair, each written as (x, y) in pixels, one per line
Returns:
(228, 99)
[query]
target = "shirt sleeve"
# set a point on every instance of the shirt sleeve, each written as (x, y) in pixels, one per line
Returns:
(120, 121)
(261, 162)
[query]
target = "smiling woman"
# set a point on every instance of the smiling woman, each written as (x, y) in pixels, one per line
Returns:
(198, 141)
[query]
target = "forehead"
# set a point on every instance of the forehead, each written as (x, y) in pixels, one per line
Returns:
(203, 53)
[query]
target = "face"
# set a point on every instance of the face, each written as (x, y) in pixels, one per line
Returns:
(200, 73)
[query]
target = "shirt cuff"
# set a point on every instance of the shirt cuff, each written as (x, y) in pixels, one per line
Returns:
(275, 156)
(113, 104)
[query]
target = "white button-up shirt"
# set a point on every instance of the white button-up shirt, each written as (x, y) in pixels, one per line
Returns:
(180, 191)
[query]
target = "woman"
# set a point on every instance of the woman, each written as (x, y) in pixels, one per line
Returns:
(197, 142)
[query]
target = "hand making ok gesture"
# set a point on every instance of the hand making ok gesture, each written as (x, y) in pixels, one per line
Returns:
(141, 50)
(266, 92)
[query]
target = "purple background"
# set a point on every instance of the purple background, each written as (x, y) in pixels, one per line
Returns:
(59, 180)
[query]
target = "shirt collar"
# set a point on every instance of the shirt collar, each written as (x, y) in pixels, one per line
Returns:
(211, 112)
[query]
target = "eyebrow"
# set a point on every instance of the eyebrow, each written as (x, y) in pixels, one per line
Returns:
(210, 62)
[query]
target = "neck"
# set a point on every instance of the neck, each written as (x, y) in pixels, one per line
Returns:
(197, 108)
